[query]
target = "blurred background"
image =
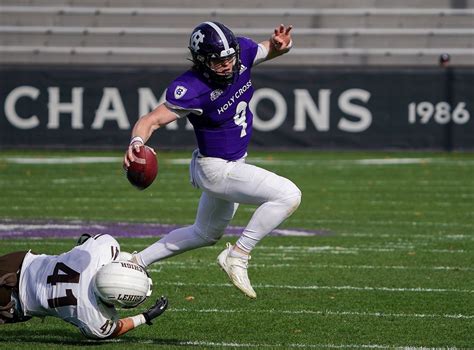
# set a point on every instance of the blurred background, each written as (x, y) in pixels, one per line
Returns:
(363, 74)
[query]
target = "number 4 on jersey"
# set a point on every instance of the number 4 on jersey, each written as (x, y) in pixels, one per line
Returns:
(69, 276)
(240, 117)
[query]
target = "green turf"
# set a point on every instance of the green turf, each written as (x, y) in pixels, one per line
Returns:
(395, 267)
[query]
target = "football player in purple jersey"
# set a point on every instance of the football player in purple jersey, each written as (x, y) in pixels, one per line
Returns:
(215, 96)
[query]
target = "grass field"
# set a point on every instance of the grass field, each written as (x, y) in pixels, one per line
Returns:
(391, 267)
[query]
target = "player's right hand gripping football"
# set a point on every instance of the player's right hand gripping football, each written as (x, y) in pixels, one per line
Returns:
(156, 310)
(134, 147)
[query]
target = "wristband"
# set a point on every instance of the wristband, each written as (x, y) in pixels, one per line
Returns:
(137, 139)
(138, 320)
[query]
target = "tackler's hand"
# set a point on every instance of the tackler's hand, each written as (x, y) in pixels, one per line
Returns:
(156, 310)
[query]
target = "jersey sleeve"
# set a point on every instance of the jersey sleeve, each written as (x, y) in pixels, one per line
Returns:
(99, 322)
(109, 247)
(248, 51)
(261, 55)
(93, 333)
(182, 98)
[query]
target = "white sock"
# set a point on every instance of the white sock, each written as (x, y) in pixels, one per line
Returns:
(236, 254)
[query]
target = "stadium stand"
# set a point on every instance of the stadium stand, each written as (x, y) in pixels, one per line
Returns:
(146, 32)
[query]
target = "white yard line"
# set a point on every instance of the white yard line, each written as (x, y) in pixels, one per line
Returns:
(315, 287)
(429, 236)
(27, 227)
(382, 250)
(60, 160)
(318, 222)
(192, 265)
(326, 312)
(308, 250)
(202, 343)
(299, 162)
(299, 251)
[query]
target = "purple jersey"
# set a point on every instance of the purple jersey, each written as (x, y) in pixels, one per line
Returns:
(224, 127)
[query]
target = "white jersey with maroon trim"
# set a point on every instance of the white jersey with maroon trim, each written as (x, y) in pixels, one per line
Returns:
(62, 286)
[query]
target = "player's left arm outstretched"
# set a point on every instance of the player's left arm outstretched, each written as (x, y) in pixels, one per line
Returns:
(127, 324)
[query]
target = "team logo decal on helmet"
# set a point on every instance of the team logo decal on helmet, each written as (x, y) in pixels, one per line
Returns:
(213, 41)
(196, 38)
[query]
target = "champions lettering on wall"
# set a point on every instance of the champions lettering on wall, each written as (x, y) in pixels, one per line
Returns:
(305, 108)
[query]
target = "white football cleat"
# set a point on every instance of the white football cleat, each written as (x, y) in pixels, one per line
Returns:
(134, 259)
(125, 256)
(130, 257)
(236, 269)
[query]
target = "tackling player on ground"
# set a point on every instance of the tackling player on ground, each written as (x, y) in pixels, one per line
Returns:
(81, 287)
(215, 96)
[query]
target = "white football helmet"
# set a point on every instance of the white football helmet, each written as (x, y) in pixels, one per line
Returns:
(123, 284)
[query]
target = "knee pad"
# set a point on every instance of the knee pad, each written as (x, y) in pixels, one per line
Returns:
(209, 236)
(186, 238)
(292, 198)
(211, 240)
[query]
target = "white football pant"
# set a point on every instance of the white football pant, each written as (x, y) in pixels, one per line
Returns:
(225, 184)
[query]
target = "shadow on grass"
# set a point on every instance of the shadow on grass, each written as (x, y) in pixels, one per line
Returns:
(64, 337)
(49, 336)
